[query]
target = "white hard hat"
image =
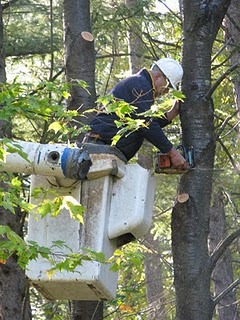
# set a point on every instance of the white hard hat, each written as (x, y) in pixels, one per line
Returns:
(171, 69)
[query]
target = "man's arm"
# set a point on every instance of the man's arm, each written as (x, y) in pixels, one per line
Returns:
(168, 116)
(176, 158)
(173, 112)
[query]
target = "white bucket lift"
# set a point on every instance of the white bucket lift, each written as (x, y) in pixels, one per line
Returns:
(118, 199)
(92, 280)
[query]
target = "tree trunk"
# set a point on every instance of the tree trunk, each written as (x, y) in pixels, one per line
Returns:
(232, 33)
(80, 65)
(79, 56)
(154, 285)
(190, 220)
(14, 299)
(86, 310)
(152, 265)
(222, 275)
(135, 44)
(153, 270)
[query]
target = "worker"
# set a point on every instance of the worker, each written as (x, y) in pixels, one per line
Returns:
(141, 90)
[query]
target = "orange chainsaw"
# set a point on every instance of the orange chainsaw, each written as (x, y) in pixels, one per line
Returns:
(162, 161)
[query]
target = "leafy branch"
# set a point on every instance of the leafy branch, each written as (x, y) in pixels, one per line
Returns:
(12, 244)
(10, 146)
(33, 106)
(54, 206)
(128, 119)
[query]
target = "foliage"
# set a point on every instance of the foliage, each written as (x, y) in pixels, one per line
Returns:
(44, 309)
(13, 244)
(128, 120)
(130, 300)
(32, 17)
(38, 113)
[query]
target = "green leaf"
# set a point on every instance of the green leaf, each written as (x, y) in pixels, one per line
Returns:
(75, 208)
(115, 139)
(16, 182)
(76, 211)
(96, 256)
(115, 267)
(13, 147)
(4, 229)
(44, 251)
(178, 95)
(55, 126)
(66, 94)
(2, 153)
(44, 208)
(118, 252)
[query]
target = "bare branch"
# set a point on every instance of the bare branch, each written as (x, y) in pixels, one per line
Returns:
(233, 128)
(229, 156)
(226, 291)
(225, 123)
(221, 49)
(52, 80)
(172, 12)
(220, 79)
(222, 246)
(233, 21)
(150, 38)
(223, 62)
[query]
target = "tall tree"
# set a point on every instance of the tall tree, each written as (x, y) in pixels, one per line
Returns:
(82, 310)
(153, 272)
(223, 272)
(79, 55)
(154, 283)
(80, 65)
(135, 42)
(190, 219)
(14, 299)
(232, 23)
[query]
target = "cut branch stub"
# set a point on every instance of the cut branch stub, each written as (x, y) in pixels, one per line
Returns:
(87, 36)
(182, 197)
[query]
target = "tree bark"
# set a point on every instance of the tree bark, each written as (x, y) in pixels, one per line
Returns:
(79, 56)
(135, 44)
(222, 275)
(153, 270)
(232, 24)
(14, 300)
(190, 220)
(154, 285)
(14, 296)
(80, 65)
(152, 265)
(86, 310)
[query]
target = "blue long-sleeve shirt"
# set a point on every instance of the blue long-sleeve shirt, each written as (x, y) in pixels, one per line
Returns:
(139, 91)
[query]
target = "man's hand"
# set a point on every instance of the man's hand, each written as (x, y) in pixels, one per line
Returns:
(177, 160)
(173, 112)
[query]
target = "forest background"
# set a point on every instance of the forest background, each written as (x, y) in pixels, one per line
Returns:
(40, 102)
